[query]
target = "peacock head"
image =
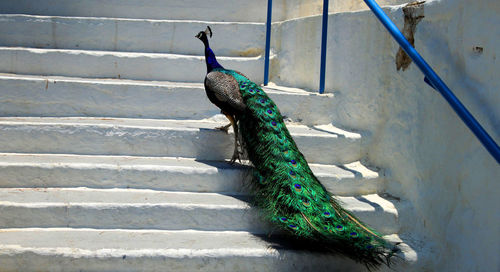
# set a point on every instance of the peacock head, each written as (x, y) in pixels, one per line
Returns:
(203, 34)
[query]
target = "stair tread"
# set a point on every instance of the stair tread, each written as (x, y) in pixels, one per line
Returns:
(154, 9)
(103, 53)
(156, 137)
(151, 250)
(144, 208)
(115, 64)
(32, 95)
(124, 239)
(115, 81)
(161, 173)
(33, 197)
(130, 239)
(180, 244)
(271, 89)
(97, 18)
(158, 163)
(129, 35)
(326, 131)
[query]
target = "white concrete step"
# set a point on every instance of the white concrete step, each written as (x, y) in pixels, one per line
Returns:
(27, 95)
(66, 249)
(149, 137)
(161, 173)
(214, 10)
(125, 208)
(132, 35)
(149, 209)
(112, 64)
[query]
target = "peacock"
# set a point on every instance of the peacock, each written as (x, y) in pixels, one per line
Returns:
(284, 187)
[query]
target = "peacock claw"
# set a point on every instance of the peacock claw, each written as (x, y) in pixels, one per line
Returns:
(236, 155)
(224, 128)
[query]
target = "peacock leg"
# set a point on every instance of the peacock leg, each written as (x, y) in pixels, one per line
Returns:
(236, 153)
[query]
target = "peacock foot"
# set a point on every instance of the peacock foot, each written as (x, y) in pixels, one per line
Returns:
(236, 156)
(224, 128)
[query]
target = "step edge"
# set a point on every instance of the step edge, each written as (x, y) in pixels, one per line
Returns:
(129, 19)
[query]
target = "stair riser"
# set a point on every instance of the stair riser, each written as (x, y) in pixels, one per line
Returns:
(100, 64)
(203, 144)
(383, 222)
(218, 10)
(169, 217)
(53, 97)
(187, 179)
(152, 36)
(352, 186)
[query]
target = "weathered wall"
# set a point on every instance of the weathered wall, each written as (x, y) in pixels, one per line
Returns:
(292, 9)
(431, 158)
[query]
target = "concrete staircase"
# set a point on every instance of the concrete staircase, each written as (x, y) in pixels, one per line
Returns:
(109, 159)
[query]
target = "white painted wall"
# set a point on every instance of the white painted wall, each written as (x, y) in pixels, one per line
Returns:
(431, 158)
(292, 9)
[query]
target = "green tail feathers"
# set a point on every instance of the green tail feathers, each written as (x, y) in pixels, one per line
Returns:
(287, 191)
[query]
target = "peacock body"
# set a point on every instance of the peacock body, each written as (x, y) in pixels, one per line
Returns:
(285, 189)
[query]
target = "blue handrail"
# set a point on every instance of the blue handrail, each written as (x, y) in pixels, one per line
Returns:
(324, 35)
(436, 82)
(324, 32)
(268, 41)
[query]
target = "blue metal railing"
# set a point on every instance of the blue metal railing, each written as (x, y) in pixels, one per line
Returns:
(324, 31)
(268, 40)
(434, 81)
(430, 78)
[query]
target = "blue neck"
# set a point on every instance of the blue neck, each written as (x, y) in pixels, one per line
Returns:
(211, 60)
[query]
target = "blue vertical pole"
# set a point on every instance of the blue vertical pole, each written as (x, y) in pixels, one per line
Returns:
(324, 31)
(268, 41)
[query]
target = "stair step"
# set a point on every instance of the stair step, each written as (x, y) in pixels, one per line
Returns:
(65, 249)
(214, 10)
(132, 35)
(161, 173)
(111, 64)
(134, 208)
(27, 95)
(148, 137)
(125, 208)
